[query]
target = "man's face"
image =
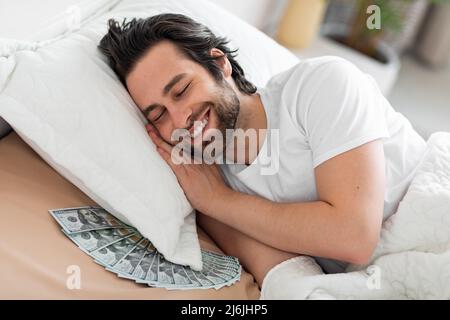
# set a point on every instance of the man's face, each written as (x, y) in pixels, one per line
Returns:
(173, 92)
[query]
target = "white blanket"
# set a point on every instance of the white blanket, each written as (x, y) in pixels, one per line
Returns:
(412, 259)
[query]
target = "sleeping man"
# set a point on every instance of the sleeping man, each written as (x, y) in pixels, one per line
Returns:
(333, 161)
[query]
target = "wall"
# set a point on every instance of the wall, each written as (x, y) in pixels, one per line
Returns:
(259, 13)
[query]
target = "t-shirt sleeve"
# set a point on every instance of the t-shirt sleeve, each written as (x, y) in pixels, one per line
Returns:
(338, 109)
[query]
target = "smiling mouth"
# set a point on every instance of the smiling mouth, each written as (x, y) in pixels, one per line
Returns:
(200, 125)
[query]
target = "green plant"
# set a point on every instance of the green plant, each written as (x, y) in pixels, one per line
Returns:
(366, 40)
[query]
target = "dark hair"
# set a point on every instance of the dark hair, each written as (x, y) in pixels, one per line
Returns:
(125, 44)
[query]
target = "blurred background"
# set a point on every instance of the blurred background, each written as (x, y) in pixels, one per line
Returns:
(403, 44)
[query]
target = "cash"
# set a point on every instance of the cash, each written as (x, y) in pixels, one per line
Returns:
(121, 249)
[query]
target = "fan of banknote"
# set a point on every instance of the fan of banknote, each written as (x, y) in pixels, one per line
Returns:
(121, 249)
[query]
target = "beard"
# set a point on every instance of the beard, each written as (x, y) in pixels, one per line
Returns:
(225, 107)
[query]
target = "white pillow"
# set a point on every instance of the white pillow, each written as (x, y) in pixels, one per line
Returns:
(62, 98)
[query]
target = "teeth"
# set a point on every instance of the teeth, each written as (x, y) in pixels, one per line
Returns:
(199, 127)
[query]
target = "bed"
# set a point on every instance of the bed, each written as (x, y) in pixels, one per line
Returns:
(37, 258)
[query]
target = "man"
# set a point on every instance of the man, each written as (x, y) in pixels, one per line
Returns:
(345, 157)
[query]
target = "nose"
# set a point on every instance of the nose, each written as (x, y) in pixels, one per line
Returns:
(181, 116)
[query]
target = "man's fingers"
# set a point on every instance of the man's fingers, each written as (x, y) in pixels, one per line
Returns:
(175, 152)
(152, 130)
(167, 156)
(160, 142)
(149, 127)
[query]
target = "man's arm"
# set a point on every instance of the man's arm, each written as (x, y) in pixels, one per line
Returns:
(344, 224)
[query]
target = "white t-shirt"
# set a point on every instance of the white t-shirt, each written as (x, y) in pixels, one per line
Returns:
(323, 107)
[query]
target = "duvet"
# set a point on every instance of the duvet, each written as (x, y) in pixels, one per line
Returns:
(412, 259)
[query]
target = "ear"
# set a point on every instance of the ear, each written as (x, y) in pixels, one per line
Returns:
(223, 62)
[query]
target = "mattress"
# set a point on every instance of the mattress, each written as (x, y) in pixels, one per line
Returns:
(37, 260)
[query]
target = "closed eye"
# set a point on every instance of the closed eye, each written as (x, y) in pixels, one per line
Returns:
(183, 91)
(159, 115)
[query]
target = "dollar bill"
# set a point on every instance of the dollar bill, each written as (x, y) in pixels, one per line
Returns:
(144, 265)
(218, 258)
(227, 273)
(217, 271)
(230, 268)
(152, 274)
(165, 273)
(110, 255)
(129, 262)
(74, 220)
(180, 277)
(91, 240)
(192, 277)
(213, 277)
(205, 282)
(225, 263)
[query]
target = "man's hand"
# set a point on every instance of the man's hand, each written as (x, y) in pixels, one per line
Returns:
(202, 183)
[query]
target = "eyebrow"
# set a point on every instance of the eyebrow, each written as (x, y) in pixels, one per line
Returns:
(166, 90)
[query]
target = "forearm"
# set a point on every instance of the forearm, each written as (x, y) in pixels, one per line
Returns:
(312, 228)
